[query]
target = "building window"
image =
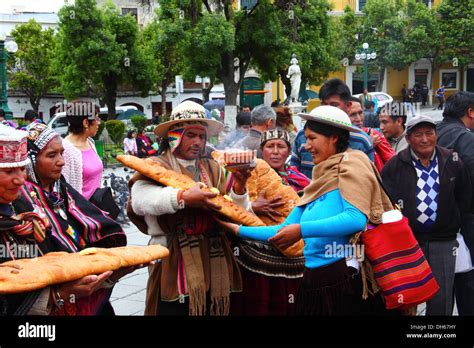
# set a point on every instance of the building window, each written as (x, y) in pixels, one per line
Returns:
(361, 4)
(449, 78)
(131, 10)
(421, 76)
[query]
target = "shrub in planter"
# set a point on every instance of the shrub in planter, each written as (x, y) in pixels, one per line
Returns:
(139, 121)
(116, 130)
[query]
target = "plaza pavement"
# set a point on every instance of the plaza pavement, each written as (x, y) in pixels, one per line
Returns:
(128, 296)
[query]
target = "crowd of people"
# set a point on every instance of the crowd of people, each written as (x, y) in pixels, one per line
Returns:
(335, 163)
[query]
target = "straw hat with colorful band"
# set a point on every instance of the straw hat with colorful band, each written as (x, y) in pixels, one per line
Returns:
(188, 111)
(13, 147)
(273, 134)
(331, 116)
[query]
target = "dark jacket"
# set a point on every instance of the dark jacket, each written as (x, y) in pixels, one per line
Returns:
(453, 134)
(455, 192)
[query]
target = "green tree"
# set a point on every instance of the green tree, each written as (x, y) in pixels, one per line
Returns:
(422, 36)
(98, 52)
(31, 71)
(308, 32)
(165, 38)
(347, 28)
(383, 30)
(224, 41)
(457, 30)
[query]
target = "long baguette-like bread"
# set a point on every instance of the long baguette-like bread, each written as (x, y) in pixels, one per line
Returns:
(264, 178)
(60, 267)
(155, 171)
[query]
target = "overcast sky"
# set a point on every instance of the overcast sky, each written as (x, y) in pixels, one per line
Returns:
(6, 6)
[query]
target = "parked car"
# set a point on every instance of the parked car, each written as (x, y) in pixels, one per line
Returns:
(60, 125)
(382, 98)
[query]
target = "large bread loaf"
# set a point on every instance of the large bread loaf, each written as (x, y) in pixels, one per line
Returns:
(155, 171)
(61, 267)
(264, 178)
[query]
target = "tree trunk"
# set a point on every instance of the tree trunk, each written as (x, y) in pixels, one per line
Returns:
(231, 90)
(227, 74)
(163, 100)
(35, 102)
(207, 91)
(110, 96)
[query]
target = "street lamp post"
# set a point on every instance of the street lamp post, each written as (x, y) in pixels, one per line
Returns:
(5, 47)
(365, 54)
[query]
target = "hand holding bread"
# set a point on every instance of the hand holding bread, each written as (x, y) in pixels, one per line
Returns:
(61, 267)
(153, 170)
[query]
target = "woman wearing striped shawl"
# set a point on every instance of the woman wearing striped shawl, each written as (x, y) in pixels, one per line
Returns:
(76, 223)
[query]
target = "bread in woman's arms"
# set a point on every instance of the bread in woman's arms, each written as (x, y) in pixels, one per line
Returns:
(264, 178)
(60, 267)
(156, 172)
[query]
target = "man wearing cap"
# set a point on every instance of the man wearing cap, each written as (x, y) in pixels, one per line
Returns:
(200, 273)
(263, 118)
(433, 188)
(456, 132)
(241, 130)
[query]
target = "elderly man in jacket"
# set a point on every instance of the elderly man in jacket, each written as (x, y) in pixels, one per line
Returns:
(433, 188)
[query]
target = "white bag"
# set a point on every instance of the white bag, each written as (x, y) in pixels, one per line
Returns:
(463, 256)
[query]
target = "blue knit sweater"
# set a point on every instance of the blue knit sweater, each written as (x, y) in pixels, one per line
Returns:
(326, 225)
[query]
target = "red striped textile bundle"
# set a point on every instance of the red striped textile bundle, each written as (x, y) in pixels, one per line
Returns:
(399, 265)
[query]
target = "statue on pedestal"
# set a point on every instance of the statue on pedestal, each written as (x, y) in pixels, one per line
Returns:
(294, 74)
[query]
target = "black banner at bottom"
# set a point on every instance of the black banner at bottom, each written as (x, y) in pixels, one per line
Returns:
(136, 331)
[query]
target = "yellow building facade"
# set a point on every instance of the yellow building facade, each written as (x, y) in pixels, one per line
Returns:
(454, 78)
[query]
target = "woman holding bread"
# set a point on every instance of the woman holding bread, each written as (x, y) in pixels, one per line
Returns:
(342, 197)
(76, 223)
(24, 233)
(270, 279)
(276, 148)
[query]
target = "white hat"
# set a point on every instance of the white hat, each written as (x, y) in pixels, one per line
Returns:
(331, 116)
(13, 147)
(189, 111)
